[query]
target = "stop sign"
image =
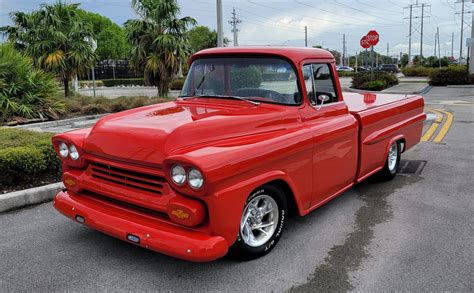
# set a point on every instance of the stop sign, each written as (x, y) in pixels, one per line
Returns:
(373, 38)
(364, 43)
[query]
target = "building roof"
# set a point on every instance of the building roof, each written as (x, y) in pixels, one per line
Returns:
(295, 54)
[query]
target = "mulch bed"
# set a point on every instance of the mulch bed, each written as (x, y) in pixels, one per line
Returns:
(32, 182)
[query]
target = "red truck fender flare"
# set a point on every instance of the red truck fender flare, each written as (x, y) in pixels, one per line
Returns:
(391, 141)
(238, 194)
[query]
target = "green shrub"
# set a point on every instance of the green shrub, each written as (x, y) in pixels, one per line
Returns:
(25, 154)
(417, 71)
(248, 77)
(376, 85)
(19, 163)
(177, 84)
(124, 82)
(366, 81)
(26, 92)
(453, 75)
(346, 73)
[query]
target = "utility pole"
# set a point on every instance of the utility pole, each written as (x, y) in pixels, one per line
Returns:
(421, 33)
(343, 49)
(452, 45)
(234, 22)
(356, 61)
(220, 29)
(471, 58)
(436, 43)
(388, 49)
(439, 48)
(411, 7)
(305, 36)
(409, 41)
(462, 27)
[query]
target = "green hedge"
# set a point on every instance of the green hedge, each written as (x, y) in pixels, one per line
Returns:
(245, 77)
(376, 82)
(25, 154)
(177, 84)
(346, 73)
(124, 81)
(453, 75)
(417, 71)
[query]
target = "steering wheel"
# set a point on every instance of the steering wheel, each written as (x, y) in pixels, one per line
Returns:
(275, 96)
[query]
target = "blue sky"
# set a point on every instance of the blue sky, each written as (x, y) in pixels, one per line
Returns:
(266, 22)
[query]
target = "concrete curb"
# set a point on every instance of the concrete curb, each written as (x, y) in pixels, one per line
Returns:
(22, 198)
(387, 91)
(461, 86)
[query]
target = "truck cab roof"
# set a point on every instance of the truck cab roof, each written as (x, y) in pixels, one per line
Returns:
(294, 54)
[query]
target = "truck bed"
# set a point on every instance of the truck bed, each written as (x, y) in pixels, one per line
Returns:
(383, 118)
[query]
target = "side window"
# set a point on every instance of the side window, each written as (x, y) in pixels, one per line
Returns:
(324, 84)
(308, 82)
(317, 77)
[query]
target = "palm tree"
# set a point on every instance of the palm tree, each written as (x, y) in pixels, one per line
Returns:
(55, 37)
(159, 41)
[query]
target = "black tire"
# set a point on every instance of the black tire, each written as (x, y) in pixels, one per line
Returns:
(240, 249)
(388, 172)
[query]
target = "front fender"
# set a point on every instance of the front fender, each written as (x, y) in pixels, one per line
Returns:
(225, 207)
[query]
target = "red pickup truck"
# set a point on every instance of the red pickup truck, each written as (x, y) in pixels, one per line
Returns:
(257, 133)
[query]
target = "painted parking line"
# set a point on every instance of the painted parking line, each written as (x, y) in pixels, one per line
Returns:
(429, 133)
(445, 128)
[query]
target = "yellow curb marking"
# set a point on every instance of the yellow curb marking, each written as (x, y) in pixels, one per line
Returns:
(433, 127)
(444, 129)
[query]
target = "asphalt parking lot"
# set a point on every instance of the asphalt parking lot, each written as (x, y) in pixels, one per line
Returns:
(414, 233)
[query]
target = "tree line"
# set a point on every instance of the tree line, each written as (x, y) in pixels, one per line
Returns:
(57, 37)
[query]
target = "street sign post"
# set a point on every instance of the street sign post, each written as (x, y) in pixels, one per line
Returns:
(373, 39)
(364, 43)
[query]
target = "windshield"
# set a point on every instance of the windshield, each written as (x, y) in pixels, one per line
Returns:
(264, 79)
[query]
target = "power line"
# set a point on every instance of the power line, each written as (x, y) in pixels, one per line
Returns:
(331, 12)
(359, 10)
(307, 16)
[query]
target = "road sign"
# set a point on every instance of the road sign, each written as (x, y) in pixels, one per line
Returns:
(364, 42)
(373, 37)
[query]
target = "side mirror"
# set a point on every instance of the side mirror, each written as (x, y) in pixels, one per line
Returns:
(323, 99)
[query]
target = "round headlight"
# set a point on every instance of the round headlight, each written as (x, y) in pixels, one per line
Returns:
(63, 150)
(195, 179)
(73, 153)
(178, 174)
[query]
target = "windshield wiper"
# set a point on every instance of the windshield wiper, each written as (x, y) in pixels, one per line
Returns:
(222, 97)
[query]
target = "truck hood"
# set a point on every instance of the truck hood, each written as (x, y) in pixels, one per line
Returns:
(150, 134)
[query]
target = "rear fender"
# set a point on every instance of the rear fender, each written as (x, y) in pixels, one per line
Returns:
(390, 142)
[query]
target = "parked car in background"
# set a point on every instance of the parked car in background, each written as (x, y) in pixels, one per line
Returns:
(221, 168)
(362, 69)
(393, 68)
(344, 68)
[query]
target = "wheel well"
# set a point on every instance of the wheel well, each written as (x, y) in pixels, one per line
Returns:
(402, 141)
(290, 197)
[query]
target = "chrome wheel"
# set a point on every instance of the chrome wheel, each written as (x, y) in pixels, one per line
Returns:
(392, 157)
(259, 220)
